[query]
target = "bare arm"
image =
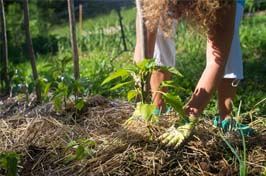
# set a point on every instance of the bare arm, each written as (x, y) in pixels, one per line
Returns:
(218, 48)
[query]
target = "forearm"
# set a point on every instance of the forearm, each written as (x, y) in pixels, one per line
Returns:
(218, 49)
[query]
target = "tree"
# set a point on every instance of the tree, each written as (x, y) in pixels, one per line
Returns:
(30, 50)
(4, 61)
(72, 26)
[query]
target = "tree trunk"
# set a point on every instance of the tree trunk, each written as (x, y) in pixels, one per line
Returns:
(30, 50)
(73, 38)
(4, 60)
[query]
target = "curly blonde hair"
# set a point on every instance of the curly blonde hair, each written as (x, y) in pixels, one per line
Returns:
(200, 13)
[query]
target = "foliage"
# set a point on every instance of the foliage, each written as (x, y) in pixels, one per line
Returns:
(21, 82)
(139, 76)
(241, 158)
(9, 162)
(96, 67)
(80, 149)
(69, 89)
(254, 5)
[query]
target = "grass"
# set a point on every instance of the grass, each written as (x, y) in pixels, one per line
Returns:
(99, 22)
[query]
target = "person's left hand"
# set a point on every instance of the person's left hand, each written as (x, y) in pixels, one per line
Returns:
(175, 136)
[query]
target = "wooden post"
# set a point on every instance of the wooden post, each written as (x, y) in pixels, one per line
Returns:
(80, 16)
(4, 60)
(72, 26)
(31, 51)
(143, 30)
(123, 36)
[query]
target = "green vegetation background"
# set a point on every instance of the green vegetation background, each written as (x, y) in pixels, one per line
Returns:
(101, 52)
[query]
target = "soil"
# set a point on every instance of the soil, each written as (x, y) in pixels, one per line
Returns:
(40, 135)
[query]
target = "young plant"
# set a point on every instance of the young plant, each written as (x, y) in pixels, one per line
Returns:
(58, 66)
(69, 90)
(21, 82)
(139, 76)
(241, 158)
(9, 162)
(80, 149)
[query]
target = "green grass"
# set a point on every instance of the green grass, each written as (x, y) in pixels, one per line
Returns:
(98, 57)
(99, 22)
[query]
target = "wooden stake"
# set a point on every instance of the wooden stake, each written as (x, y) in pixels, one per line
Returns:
(72, 26)
(143, 30)
(4, 59)
(31, 51)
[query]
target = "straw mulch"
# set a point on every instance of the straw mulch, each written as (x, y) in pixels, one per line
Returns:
(40, 135)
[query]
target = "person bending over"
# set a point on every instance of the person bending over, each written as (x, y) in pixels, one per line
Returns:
(220, 21)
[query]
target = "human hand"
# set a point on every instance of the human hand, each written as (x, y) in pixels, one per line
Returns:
(175, 136)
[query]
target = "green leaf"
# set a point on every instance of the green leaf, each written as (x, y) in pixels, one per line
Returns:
(121, 85)
(131, 94)
(58, 101)
(46, 88)
(120, 73)
(170, 84)
(71, 144)
(12, 165)
(174, 71)
(9, 162)
(143, 64)
(3, 161)
(80, 154)
(175, 102)
(87, 142)
(79, 104)
(146, 111)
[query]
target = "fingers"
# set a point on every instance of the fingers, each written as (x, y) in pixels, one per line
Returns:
(171, 139)
(174, 137)
(176, 141)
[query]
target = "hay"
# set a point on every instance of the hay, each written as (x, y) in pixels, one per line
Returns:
(41, 135)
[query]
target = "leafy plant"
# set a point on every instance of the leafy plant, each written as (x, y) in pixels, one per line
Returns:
(80, 149)
(139, 76)
(21, 81)
(9, 162)
(69, 89)
(57, 67)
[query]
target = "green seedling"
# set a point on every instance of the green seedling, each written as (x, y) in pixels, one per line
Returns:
(9, 162)
(66, 88)
(241, 158)
(138, 76)
(80, 149)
